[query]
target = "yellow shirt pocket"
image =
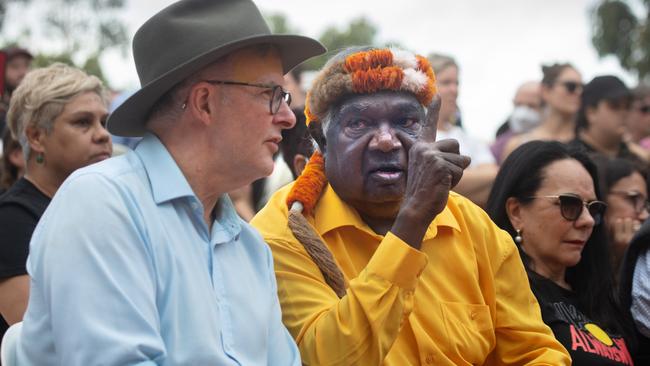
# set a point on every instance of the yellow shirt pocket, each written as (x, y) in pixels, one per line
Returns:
(470, 332)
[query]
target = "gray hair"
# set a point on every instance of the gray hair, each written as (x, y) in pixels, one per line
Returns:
(42, 95)
(441, 62)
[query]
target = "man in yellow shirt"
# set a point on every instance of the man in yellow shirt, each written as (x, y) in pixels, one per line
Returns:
(377, 262)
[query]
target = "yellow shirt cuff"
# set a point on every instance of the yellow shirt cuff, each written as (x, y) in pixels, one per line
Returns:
(397, 262)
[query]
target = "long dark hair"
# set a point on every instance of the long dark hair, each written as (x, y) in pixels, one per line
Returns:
(611, 170)
(591, 279)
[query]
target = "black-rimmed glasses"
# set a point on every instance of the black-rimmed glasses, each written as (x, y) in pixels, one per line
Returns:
(571, 207)
(645, 109)
(637, 199)
(278, 95)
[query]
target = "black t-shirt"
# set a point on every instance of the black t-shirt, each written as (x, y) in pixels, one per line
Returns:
(587, 343)
(20, 209)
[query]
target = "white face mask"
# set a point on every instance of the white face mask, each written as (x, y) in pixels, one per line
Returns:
(523, 119)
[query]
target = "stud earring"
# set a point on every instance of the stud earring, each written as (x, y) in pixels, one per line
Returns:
(39, 158)
(518, 238)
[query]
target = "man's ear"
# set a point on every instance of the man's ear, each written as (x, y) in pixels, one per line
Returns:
(316, 132)
(513, 210)
(299, 163)
(199, 102)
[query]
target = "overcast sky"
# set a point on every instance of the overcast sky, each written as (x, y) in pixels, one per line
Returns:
(498, 44)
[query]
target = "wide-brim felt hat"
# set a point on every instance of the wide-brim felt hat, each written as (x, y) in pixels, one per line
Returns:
(189, 35)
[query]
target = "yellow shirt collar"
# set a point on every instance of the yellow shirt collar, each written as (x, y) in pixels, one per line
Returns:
(331, 213)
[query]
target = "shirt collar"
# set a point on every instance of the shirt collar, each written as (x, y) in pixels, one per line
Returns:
(166, 179)
(227, 224)
(331, 213)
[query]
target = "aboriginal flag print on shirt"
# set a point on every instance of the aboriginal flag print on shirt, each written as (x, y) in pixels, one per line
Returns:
(587, 342)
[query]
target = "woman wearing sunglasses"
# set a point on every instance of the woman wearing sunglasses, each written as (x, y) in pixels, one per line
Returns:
(624, 188)
(561, 90)
(545, 196)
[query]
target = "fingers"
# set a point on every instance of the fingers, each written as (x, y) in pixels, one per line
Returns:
(456, 159)
(447, 145)
(430, 128)
(450, 149)
(624, 230)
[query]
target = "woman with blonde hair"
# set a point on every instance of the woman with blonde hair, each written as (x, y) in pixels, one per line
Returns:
(561, 90)
(477, 180)
(58, 115)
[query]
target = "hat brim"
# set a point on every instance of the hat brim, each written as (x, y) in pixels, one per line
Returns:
(130, 117)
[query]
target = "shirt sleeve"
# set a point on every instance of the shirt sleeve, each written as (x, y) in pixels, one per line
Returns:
(641, 294)
(360, 328)
(16, 227)
(282, 348)
(522, 336)
(91, 267)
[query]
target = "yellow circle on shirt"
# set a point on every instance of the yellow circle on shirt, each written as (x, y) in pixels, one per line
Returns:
(599, 334)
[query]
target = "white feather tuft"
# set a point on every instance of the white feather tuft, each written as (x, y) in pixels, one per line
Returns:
(414, 81)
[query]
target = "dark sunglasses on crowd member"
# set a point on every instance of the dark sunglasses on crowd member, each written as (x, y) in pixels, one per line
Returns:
(571, 207)
(572, 86)
(644, 109)
(637, 199)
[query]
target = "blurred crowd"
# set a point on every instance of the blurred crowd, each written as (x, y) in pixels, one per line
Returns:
(565, 176)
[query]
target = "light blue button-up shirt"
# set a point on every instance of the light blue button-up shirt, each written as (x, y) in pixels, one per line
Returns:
(125, 272)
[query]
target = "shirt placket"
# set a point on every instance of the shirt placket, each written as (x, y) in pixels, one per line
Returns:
(221, 237)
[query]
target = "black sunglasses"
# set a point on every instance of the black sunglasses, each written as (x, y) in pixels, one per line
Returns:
(278, 95)
(571, 207)
(571, 86)
(645, 109)
(637, 199)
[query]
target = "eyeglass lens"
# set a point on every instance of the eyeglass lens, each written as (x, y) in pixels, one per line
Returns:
(638, 201)
(571, 208)
(278, 96)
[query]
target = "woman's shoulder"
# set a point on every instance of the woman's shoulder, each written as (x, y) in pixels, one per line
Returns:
(23, 197)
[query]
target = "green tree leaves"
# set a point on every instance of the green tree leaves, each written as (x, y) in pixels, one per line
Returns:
(618, 31)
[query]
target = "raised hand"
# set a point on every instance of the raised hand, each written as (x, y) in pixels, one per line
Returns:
(434, 168)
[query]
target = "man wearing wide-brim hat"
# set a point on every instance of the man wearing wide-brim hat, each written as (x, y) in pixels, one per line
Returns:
(142, 259)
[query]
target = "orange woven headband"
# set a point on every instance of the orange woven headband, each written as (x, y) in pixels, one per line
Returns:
(369, 72)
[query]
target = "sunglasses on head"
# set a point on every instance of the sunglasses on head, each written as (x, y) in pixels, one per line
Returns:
(571, 207)
(637, 199)
(571, 86)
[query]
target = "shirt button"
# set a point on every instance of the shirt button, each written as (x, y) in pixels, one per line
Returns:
(472, 315)
(430, 359)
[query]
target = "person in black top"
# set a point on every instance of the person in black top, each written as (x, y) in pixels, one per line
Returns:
(58, 115)
(625, 190)
(546, 196)
(601, 120)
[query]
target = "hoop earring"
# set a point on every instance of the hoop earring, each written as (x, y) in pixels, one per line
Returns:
(518, 238)
(40, 158)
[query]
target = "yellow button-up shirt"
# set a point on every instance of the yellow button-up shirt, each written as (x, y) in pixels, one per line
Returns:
(462, 299)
